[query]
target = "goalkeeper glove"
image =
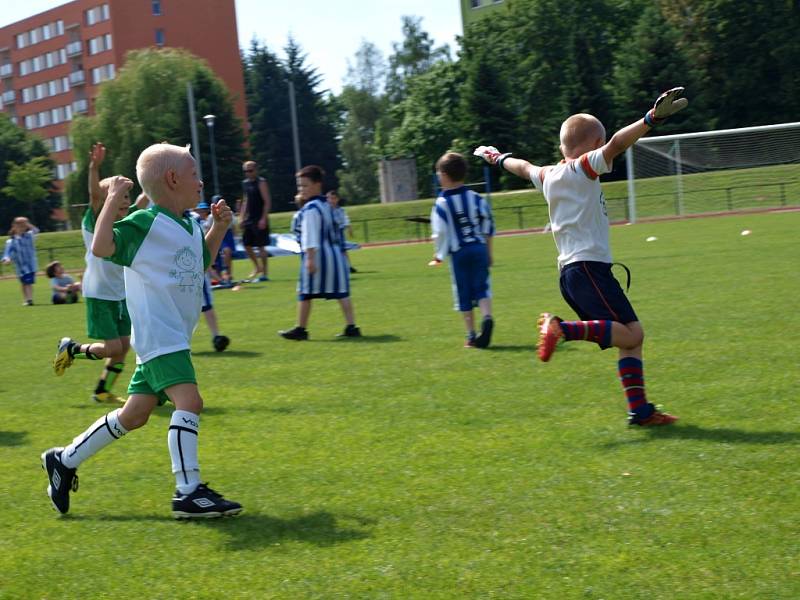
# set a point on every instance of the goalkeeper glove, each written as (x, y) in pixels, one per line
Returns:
(491, 155)
(666, 105)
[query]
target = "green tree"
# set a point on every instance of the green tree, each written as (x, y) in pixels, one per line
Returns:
(651, 61)
(147, 104)
(267, 80)
(749, 52)
(363, 110)
(414, 55)
(26, 173)
(430, 119)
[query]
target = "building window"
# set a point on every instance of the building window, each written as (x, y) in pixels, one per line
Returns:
(475, 3)
(101, 74)
(156, 8)
(159, 37)
(100, 44)
(97, 14)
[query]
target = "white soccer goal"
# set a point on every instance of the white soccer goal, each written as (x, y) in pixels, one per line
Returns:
(711, 171)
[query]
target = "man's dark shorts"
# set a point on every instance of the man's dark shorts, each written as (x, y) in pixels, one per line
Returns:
(253, 236)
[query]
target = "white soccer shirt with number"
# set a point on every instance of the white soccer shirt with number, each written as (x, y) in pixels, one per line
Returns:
(102, 279)
(165, 258)
(577, 207)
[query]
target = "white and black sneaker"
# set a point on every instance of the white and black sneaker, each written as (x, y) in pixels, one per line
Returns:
(61, 479)
(203, 503)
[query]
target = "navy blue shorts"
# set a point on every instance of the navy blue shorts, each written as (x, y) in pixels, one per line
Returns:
(593, 292)
(469, 269)
(28, 278)
(208, 302)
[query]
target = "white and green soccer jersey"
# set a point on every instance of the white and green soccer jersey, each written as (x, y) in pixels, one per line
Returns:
(165, 258)
(102, 280)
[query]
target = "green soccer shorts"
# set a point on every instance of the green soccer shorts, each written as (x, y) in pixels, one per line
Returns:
(161, 372)
(107, 319)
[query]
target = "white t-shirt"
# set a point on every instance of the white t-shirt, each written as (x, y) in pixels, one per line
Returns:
(165, 257)
(577, 207)
(102, 279)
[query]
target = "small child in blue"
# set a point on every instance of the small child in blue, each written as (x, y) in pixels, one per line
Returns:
(65, 289)
(463, 227)
(20, 250)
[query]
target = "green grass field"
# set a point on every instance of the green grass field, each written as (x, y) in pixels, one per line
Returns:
(402, 465)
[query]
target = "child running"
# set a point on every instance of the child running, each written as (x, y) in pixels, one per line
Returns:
(21, 250)
(107, 316)
(165, 256)
(580, 227)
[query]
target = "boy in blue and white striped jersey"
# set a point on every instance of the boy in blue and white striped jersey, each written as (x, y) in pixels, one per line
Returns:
(324, 272)
(463, 227)
(21, 251)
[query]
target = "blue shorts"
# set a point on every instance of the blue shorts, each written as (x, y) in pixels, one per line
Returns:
(208, 302)
(227, 242)
(28, 278)
(469, 270)
(593, 292)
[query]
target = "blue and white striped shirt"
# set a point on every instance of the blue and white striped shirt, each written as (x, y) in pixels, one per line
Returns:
(460, 217)
(21, 251)
(315, 227)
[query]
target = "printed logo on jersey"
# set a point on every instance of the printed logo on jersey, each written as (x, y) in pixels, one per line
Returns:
(603, 203)
(188, 271)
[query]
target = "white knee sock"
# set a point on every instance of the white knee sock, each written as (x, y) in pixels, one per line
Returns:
(182, 441)
(102, 432)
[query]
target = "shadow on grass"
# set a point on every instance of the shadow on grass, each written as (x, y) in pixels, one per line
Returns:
(13, 438)
(721, 435)
(241, 353)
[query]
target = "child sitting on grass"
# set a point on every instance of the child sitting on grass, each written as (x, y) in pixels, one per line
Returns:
(65, 289)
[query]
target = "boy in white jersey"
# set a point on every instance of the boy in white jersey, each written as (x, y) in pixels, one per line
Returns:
(107, 316)
(165, 256)
(580, 228)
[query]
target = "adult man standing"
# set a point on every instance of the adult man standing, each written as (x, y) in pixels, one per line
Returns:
(254, 217)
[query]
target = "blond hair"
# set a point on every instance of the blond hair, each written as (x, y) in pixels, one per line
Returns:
(153, 164)
(578, 130)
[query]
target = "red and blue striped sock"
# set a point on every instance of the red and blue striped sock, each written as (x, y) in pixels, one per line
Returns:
(590, 331)
(631, 375)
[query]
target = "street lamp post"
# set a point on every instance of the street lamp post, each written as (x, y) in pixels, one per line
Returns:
(209, 119)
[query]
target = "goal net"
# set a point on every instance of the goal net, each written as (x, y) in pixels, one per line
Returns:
(724, 170)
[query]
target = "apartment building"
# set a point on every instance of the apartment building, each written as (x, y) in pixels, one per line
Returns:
(52, 64)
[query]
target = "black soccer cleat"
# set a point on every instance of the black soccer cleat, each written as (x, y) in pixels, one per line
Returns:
(482, 341)
(296, 333)
(61, 479)
(203, 503)
(350, 331)
(220, 342)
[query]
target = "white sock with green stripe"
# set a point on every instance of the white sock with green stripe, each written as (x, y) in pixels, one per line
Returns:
(182, 442)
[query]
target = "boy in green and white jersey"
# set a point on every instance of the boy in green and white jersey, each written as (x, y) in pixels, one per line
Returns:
(107, 316)
(165, 256)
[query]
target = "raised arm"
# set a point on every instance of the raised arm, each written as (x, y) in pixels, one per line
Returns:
(103, 242)
(666, 105)
(222, 216)
(96, 157)
(517, 166)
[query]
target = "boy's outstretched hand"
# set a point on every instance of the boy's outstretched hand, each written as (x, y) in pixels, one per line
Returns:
(666, 105)
(222, 213)
(488, 153)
